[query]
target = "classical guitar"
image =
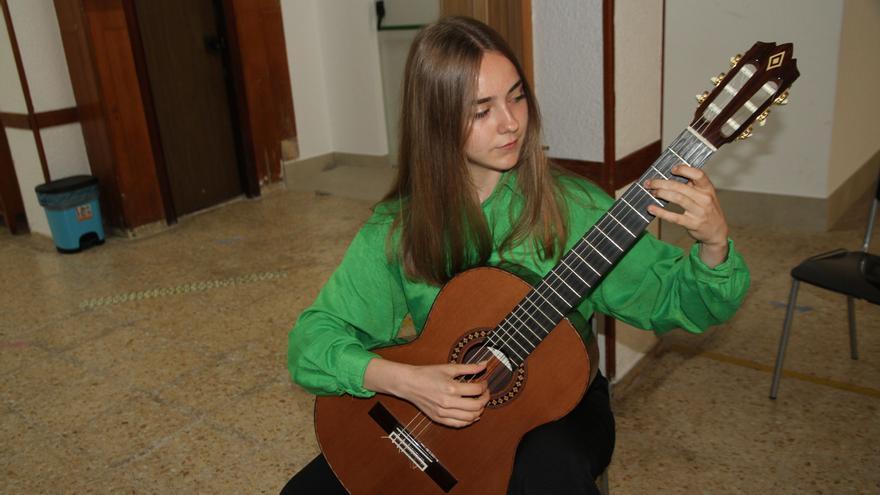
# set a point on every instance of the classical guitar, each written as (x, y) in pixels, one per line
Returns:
(539, 366)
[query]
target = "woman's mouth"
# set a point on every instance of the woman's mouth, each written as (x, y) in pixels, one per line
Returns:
(509, 146)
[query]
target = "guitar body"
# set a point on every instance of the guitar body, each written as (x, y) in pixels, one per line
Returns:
(354, 437)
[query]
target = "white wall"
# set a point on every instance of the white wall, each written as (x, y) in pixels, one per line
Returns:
(42, 54)
(11, 95)
(788, 156)
(333, 55)
(638, 48)
(39, 41)
(856, 134)
(306, 65)
(393, 50)
(567, 38)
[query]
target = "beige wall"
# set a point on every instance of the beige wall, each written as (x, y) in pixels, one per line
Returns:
(790, 155)
(856, 133)
(638, 45)
(567, 37)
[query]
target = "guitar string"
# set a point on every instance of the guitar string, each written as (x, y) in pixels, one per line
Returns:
(618, 212)
(616, 215)
(611, 228)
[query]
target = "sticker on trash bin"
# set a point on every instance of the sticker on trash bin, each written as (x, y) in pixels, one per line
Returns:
(84, 212)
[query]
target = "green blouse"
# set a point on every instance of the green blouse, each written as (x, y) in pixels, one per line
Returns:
(654, 286)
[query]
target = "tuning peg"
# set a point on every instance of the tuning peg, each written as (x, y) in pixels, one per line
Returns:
(745, 134)
(762, 119)
(702, 97)
(735, 60)
(782, 99)
(717, 79)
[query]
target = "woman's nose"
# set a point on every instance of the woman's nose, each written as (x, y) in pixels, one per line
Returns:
(509, 122)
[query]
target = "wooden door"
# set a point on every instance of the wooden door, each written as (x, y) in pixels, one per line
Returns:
(511, 18)
(185, 53)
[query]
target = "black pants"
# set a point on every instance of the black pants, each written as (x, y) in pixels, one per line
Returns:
(564, 456)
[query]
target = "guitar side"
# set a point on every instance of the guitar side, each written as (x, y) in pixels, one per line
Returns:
(475, 459)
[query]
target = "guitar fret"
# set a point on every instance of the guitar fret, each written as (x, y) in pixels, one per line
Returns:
(599, 252)
(576, 293)
(608, 237)
(679, 157)
(585, 262)
(622, 225)
(544, 282)
(659, 172)
(651, 195)
(513, 338)
(575, 273)
(535, 291)
(551, 320)
(633, 209)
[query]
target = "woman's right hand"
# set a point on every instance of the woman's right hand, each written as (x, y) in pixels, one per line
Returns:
(433, 389)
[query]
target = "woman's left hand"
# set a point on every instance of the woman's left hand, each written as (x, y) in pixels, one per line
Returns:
(702, 216)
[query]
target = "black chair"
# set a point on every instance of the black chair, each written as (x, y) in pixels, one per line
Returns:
(856, 274)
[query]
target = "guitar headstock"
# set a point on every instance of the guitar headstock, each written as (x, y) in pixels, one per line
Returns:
(756, 80)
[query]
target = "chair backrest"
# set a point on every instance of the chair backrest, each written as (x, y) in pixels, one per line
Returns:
(872, 215)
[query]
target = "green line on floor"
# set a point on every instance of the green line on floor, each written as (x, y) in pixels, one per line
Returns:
(181, 289)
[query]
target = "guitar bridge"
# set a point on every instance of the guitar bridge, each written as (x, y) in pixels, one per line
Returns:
(417, 453)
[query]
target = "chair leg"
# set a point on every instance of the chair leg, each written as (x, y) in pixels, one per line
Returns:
(853, 343)
(783, 341)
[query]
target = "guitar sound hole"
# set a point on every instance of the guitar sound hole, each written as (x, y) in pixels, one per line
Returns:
(500, 376)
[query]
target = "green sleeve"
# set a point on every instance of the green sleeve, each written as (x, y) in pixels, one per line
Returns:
(361, 307)
(656, 286)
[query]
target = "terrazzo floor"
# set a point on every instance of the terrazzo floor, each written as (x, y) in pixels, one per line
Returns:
(157, 365)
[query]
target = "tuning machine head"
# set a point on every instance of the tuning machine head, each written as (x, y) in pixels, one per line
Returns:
(781, 99)
(702, 97)
(745, 134)
(717, 79)
(734, 60)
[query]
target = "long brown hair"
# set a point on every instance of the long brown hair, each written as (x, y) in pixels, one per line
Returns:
(443, 230)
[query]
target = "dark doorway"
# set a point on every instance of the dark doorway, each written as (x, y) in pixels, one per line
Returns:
(184, 47)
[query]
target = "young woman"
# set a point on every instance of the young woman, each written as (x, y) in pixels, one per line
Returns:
(474, 188)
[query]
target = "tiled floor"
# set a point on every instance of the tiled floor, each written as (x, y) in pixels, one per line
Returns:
(176, 382)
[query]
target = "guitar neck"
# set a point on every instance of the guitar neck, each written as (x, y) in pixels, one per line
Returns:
(581, 269)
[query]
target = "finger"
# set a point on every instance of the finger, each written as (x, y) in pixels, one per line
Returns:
(472, 389)
(465, 404)
(696, 175)
(466, 369)
(672, 217)
(453, 423)
(682, 198)
(460, 414)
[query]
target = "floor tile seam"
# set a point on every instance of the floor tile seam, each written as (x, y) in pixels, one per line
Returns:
(198, 412)
(228, 428)
(155, 445)
(796, 375)
(107, 371)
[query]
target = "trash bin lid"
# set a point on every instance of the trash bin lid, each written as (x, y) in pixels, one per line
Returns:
(67, 184)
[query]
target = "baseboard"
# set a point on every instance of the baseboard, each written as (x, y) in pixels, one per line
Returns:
(860, 183)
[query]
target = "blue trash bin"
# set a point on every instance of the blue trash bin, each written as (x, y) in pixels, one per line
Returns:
(73, 211)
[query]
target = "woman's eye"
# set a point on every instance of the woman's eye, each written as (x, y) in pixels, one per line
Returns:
(480, 115)
(519, 97)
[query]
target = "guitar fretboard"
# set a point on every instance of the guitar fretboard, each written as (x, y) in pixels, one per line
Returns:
(581, 269)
